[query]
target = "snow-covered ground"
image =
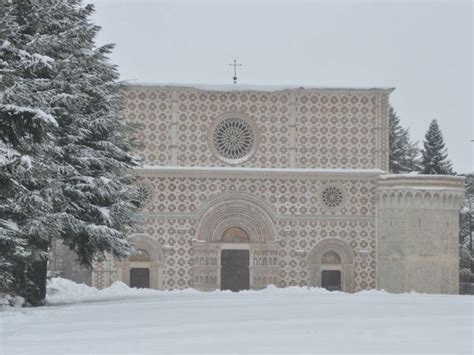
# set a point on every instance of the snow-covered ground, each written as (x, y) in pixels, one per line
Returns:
(119, 320)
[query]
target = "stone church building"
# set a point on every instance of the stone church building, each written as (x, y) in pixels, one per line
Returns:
(250, 186)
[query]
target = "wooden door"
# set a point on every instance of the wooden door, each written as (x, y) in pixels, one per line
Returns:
(140, 277)
(331, 280)
(235, 270)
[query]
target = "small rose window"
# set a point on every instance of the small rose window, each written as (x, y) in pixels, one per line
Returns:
(145, 194)
(332, 196)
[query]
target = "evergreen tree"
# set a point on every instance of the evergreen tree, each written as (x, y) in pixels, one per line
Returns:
(466, 273)
(403, 153)
(434, 152)
(97, 197)
(26, 125)
(83, 193)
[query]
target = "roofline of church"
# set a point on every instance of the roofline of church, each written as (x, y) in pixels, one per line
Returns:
(261, 88)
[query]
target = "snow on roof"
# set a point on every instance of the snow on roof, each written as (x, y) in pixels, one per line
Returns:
(418, 175)
(248, 87)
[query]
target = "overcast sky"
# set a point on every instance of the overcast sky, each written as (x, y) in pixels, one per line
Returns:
(422, 48)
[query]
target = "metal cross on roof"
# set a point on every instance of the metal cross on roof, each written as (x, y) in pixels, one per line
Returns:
(235, 65)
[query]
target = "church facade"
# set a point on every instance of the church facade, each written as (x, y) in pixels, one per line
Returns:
(245, 187)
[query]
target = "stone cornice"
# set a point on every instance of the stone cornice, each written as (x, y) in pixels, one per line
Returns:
(421, 182)
(420, 191)
(265, 173)
(240, 88)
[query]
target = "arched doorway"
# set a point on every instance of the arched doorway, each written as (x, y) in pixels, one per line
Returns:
(331, 271)
(143, 269)
(234, 232)
(235, 261)
(140, 272)
(331, 265)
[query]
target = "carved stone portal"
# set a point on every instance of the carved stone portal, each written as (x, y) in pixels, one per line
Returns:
(331, 265)
(234, 247)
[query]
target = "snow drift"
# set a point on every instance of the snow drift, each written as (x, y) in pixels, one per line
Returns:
(121, 320)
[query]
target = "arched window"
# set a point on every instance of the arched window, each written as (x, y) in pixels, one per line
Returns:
(331, 265)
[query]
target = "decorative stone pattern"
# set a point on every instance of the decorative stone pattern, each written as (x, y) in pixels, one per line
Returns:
(323, 128)
(180, 194)
(292, 205)
(289, 176)
(105, 272)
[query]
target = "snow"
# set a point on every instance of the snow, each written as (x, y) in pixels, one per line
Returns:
(416, 174)
(120, 320)
(62, 291)
(105, 180)
(5, 44)
(40, 114)
(9, 224)
(257, 170)
(7, 155)
(105, 212)
(421, 188)
(26, 160)
(248, 87)
(43, 59)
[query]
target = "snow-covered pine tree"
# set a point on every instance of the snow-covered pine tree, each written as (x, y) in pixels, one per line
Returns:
(26, 127)
(98, 201)
(90, 200)
(434, 153)
(403, 153)
(466, 273)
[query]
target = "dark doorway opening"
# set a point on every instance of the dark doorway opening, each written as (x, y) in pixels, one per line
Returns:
(331, 280)
(140, 277)
(235, 270)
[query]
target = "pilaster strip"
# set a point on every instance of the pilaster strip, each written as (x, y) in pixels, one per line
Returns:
(292, 131)
(174, 127)
(378, 130)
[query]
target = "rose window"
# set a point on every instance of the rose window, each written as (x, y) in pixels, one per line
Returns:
(332, 196)
(233, 138)
(145, 194)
